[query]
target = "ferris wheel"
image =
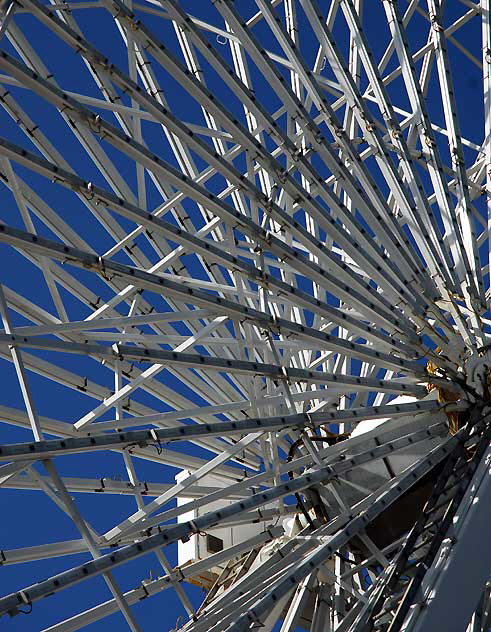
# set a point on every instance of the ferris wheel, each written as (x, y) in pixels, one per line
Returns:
(246, 339)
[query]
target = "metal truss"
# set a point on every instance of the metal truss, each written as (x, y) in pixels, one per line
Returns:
(245, 300)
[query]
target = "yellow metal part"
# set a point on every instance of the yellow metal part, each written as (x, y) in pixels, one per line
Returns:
(444, 397)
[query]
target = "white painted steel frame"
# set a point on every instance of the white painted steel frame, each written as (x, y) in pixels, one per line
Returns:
(300, 242)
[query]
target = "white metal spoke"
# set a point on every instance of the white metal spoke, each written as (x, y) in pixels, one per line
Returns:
(245, 302)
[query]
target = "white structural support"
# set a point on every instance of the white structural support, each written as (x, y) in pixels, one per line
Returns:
(245, 327)
(453, 560)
